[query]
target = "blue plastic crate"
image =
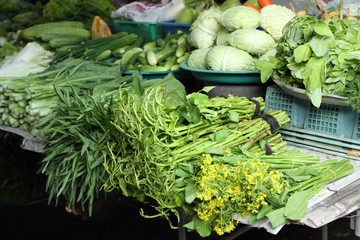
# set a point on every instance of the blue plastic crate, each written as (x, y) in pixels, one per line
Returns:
(149, 30)
(356, 133)
(170, 27)
(336, 120)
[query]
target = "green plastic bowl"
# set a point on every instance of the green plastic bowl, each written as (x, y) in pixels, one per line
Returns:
(180, 74)
(223, 77)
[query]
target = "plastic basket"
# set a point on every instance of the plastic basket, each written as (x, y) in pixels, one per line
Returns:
(335, 120)
(170, 27)
(150, 30)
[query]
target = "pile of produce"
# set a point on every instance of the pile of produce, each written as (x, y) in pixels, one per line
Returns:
(151, 141)
(215, 158)
(163, 54)
(232, 40)
(26, 99)
(320, 56)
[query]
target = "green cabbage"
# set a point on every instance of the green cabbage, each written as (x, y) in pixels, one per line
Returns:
(197, 58)
(228, 58)
(240, 17)
(204, 30)
(273, 19)
(222, 37)
(253, 41)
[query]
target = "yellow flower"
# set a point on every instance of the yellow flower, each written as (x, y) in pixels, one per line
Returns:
(225, 189)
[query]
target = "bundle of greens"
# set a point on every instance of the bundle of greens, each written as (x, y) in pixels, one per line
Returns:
(164, 132)
(150, 140)
(255, 186)
(24, 100)
(76, 129)
(321, 56)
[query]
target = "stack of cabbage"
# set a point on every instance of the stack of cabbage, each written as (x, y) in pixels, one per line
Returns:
(233, 40)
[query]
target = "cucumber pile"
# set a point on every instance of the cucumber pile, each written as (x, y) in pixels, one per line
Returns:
(58, 34)
(163, 54)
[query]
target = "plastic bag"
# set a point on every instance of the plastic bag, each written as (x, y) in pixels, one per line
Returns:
(149, 12)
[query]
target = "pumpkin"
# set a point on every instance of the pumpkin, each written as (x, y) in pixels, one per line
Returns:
(99, 28)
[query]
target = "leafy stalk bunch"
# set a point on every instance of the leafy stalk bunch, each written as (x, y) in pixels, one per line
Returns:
(255, 185)
(164, 132)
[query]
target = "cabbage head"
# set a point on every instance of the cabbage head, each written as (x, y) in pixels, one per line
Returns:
(240, 17)
(204, 30)
(228, 58)
(273, 18)
(197, 58)
(254, 41)
(222, 37)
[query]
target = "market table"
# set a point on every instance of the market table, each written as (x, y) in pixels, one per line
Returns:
(338, 199)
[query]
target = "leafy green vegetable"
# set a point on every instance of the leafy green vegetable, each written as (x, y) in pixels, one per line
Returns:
(7, 49)
(352, 91)
(317, 55)
(84, 10)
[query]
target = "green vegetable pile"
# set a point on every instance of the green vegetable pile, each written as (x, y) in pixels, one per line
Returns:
(152, 141)
(25, 100)
(321, 56)
(82, 10)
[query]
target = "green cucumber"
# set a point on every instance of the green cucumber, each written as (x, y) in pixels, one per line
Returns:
(104, 55)
(62, 27)
(26, 17)
(62, 41)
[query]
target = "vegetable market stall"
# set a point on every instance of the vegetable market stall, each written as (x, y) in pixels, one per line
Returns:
(152, 141)
(338, 199)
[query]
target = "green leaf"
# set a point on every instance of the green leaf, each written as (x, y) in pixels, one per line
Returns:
(181, 173)
(208, 88)
(321, 45)
(234, 116)
(302, 53)
(190, 113)
(136, 83)
(321, 28)
(202, 227)
(215, 151)
(296, 205)
(190, 225)
(252, 218)
(314, 73)
(264, 211)
(190, 192)
(198, 98)
(221, 135)
(276, 217)
(315, 96)
(267, 67)
(123, 188)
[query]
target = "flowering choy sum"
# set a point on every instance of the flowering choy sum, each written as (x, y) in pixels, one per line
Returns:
(225, 189)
